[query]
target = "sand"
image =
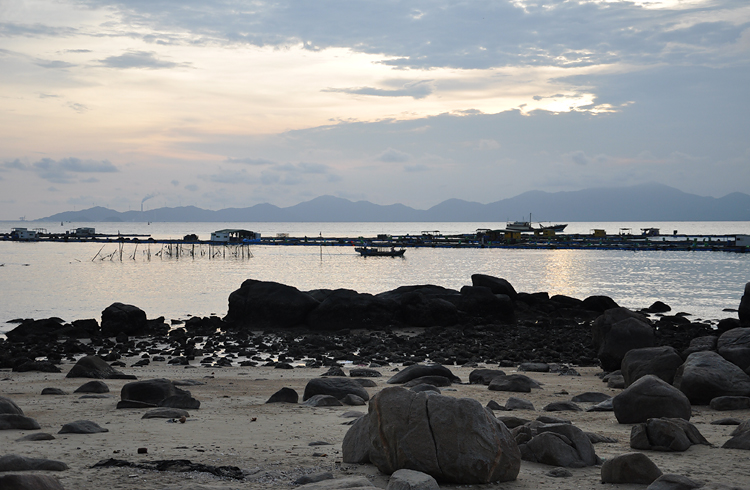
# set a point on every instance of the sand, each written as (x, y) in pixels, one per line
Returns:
(271, 442)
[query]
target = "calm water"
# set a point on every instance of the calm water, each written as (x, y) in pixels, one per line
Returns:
(39, 280)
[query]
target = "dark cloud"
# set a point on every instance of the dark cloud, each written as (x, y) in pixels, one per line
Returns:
(62, 171)
(139, 59)
(392, 155)
(54, 64)
(416, 90)
(249, 161)
(78, 51)
(10, 29)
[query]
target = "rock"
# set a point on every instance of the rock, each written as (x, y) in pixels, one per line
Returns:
(356, 444)
(616, 332)
(734, 346)
(165, 413)
(95, 367)
(673, 482)
(742, 427)
(180, 401)
(349, 483)
(699, 344)
(514, 403)
(562, 407)
(336, 387)
(727, 421)
(630, 468)
(10, 421)
(344, 308)
(135, 404)
(364, 373)
(597, 438)
(41, 366)
(411, 480)
(353, 400)
(512, 422)
(513, 382)
(30, 482)
(8, 406)
(420, 370)
(495, 284)
(334, 371)
(650, 397)
(658, 307)
(605, 406)
(665, 435)
(121, 318)
(36, 436)
(591, 397)
(559, 445)
(536, 367)
(95, 386)
(155, 392)
(82, 427)
(493, 405)
(662, 362)
(425, 305)
(738, 441)
(425, 387)
(744, 309)
(481, 303)
(484, 376)
(616, 381)
(365, 382)
(323, 401)
(317, 477)
(559, 473)
(261, 304)
(722, 403)
(436, 381)
(14, 462)
(599, 304)
(284, 395)
(548, 419)
(53, 391)
(452, 439)
(705, 375)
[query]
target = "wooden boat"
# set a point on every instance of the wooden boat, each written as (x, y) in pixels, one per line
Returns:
(380, 251)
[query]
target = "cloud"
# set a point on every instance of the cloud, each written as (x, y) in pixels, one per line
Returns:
(416, 90)
(139, 59)
(48, 96)
(249, 161)
(55, 64)
(53, 189)
(416, 168)
(90, 180)
(175, 182)
(79, 108)
(191, 187)
(77, 51)
(392, 155)
(62, 171)
(10, 29)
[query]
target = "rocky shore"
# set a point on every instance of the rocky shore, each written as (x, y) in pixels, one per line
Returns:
(266, 396)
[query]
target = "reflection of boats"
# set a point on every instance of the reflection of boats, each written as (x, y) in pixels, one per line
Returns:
(528, 226)
(380, 252)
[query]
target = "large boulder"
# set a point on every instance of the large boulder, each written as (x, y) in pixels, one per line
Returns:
(616, 332)
(264, 304)
(424, 306)
(421, 370)
(599, 304)
(662, 362)
(666, 434)
(15, 462)
(556, 445)
(9, 406)
(452, 439)
(630, 468)
(706, 375)
(480, 302)
(158, 392)
(345, 308)
(650, 397)
(744, 309)
(95, 367)
(496, 284)
(9, 421)
(734, 346)
(30, 482)
(336, 387)
(484, 376)
(121, 318)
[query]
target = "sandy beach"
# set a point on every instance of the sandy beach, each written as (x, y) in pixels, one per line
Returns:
(271, 443)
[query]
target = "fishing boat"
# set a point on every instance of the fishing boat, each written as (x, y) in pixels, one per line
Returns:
(528, 226)
(380, 251)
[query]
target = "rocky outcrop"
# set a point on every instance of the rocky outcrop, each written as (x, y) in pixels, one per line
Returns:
(119, 318)
(452, 439)
(662, 362)
(496, 285)
(263, 304)
(345, 308)
(650, 397)
(707, 375)
(618, 331)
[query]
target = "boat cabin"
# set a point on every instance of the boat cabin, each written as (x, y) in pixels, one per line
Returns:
(235, 236)
(23, 234)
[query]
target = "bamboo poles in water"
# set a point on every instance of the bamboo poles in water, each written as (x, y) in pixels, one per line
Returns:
(179, 250)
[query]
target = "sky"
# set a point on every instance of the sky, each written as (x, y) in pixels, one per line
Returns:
(231, 103)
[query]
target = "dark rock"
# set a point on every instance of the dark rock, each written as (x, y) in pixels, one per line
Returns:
(514, 403)
(536, 367)
(699, 344)
(560, 445)
(365, 383)
(616, 381)
(452, 439)
(658, 307)
(484, 376)
(82, 427)
(283, 365)
(590, 397)
(722, 403)
(8, 406)
(344, 308)
(364, 373)
(662, 362)
(94, 396)
(95, 367)
(261, 304)
(30, 482)
(53, 391)
(734, 346)
(562, 406)
(740, 441)
(727, 421)
(353, 400)
(121, 318)
(548, 419)
(480, 302)
(513, 382)
(600, 304)
(650, 397)
(665, 435)
(135, 404)
(14, 462)
(180, 401)
(744, 309)
(334, 371)
(493, 405)
(424, 387)
(165, 413)
(495, 284)
(317, 477)
(605, 406)
(673, 482)
(436, 381)
(559, 473)
(284, 395)
(424, 306)
(616, 332)
(630, 468)
(404, 479)
(419, 370)
(597, 438)
(336, 387)
(323, 401)
(153, 391)
(36, 436)
(41, 366)
(706, 375)
(95, 386)
(512, 422)
(9, 421)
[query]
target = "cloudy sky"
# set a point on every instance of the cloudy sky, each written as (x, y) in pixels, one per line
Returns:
(231, 103)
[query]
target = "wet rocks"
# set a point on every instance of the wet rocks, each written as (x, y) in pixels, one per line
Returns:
(705, 375)
(650, 397)
(630, 468)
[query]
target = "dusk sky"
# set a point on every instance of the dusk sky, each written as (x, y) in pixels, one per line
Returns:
(233, 103)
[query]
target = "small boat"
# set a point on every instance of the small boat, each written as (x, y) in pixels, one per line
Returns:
(527, 226)
(380, 251)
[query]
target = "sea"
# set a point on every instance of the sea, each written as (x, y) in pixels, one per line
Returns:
(77, 280)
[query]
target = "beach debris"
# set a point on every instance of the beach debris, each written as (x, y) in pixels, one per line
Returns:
(650, 397)
(177, 465)
(630, 468)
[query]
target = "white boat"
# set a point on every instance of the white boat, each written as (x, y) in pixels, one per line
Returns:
(528, 226)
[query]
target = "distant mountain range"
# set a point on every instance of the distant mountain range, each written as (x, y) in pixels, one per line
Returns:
(651, 202)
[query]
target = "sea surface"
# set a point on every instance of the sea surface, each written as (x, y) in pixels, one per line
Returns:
(78, 280)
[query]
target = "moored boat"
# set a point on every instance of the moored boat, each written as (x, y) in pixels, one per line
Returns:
(380, 251)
